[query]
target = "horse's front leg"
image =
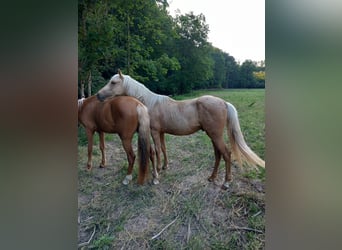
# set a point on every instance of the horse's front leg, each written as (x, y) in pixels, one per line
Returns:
(163, 148)
(127, 145)
(102, 148)
(157, 145)
(90, 134)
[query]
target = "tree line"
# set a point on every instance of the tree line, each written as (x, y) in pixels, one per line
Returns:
(170, 55)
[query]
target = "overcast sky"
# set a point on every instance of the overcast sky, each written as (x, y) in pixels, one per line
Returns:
(236, 26)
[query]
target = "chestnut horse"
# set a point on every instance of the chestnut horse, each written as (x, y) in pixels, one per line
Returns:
(121, 115)
(208, 113)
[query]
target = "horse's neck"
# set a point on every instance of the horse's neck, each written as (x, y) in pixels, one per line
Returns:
(152, 100)
(143, 94)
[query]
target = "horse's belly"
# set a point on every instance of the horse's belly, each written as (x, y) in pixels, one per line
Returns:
(177, 118)
(182, 130)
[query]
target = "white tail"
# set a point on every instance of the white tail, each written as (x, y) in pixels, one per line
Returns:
(239, 146)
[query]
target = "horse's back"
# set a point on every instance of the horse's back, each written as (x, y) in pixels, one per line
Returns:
(124, 107)
(86, 111)
(125, 102)
(117, 115)
(124, 113)
(212, 112)
(211, 103)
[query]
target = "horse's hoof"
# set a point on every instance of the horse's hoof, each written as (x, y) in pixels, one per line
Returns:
(225, 186)
(101, 166)
(165, 167)
(127, 179)
(155, 181)
(211, 179)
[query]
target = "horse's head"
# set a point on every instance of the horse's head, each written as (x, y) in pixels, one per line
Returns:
(113, 88)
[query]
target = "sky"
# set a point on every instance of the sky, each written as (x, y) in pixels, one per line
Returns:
(235, 26)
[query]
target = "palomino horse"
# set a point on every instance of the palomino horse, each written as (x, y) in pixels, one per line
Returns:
(124, 116)
(208, 113)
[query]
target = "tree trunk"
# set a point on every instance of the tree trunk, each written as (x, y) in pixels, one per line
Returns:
(128, 46)
(82, 89)
(89, 83)
(84, 33)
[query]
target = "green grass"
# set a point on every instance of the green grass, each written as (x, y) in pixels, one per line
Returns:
(128, 216)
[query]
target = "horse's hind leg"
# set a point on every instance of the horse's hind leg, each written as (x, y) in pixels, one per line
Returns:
(228, 177)
(154, 168)
(157, 145)
(90, 148)
(223, 150)
(127, 145)
(163, 148)
(152, 156)
(216, 165)
(102, 148)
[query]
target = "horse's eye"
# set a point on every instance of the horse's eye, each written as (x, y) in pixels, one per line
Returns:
(112, 82)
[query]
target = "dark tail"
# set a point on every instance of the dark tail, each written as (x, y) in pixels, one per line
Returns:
(239, 147)
(143, 143)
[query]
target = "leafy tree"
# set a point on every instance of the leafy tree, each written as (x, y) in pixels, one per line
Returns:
(247, 79)
(169, 55)
(232, 78)
(149, 34)
(97, 31)
(192, 52)
(225, 70)
(219, 69)
(260, 78)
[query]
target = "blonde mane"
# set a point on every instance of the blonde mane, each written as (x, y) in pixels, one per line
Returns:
(143, 94)
(150, 99)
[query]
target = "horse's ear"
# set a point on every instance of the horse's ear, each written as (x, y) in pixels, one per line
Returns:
(120, 74)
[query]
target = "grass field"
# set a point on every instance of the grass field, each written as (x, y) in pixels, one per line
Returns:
(195, 213)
